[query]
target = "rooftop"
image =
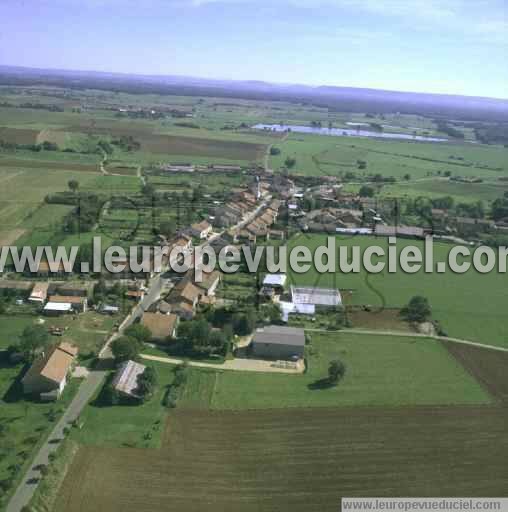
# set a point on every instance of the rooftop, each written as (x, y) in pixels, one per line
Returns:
(54, 364)
(275, 280)
(126, 378)
(58, 306)
(316, 296)
(158, 324)
(280, 335)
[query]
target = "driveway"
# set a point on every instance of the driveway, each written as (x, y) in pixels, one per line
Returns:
(242, 365)
(29, 483)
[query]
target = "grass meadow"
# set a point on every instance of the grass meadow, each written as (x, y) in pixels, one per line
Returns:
(381, 371)
(469, 305)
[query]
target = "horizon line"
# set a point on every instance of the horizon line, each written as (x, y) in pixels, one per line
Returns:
(240, 81)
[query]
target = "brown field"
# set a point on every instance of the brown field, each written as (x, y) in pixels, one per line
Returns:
(23, 163)
(9, 237)
(489, 367)
(55, 136)
(109, 127)
(383, 319)
(196, 146)
(18, 135)
(122, 170)
(298, 460)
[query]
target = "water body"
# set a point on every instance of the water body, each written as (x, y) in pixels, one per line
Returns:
(344, 132)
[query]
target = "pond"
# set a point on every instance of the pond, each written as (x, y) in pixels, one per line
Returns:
(345, 132)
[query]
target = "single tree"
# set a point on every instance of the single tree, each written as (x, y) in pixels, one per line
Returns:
(416, 310)
(290, 162)
(146, 382)
(125, 348)
(139, 332)
(336, 370)
(167, 228)
(73, 185)
(366, 191)
(33, 339)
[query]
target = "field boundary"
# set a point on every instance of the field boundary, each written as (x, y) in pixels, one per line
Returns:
(416, 335)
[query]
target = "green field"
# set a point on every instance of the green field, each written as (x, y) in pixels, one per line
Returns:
(318, 155)
(25, 424)
(381, 371)
(11, 328)
(470, 305)
(132, 426)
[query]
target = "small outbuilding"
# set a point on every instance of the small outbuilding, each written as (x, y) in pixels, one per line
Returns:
(125, 381)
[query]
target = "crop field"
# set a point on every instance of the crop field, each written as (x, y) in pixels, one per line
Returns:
(381, 371)
(18, 135)
(212, 182)
(469, 305)
(323, 155)
(19, 163)
(22, 192)
(461, 192)
(489, 367)
(299, 460)
(196, 146)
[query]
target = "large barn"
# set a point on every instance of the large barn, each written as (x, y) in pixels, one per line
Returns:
(278, 342)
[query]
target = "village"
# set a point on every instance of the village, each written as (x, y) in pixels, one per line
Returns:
(271, 210)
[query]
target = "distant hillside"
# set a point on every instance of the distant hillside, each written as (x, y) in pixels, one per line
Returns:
(344, 99)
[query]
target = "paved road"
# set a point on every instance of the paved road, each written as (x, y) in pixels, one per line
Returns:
(29, 483)
(413, 335)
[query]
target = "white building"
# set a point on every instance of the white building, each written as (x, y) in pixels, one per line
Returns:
(316, 296)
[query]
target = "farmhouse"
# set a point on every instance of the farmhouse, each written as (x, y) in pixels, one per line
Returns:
(276, 342)
(182, 241)
(185, 291)
(161, 326)
(316, 296)
(125, 381)
(208, 284)
(47, 377)
(201, 230)
(39, 293)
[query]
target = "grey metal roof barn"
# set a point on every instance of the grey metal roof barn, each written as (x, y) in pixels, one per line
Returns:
(280, 335)
(126, 378)
(278, 342)
(316, 296)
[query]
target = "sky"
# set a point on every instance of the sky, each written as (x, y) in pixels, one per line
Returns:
(439, 46)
